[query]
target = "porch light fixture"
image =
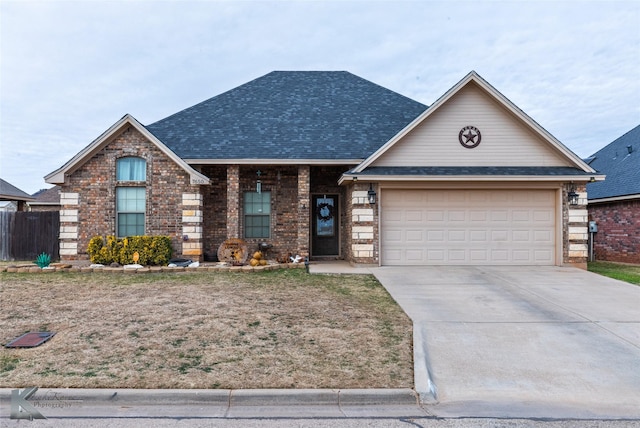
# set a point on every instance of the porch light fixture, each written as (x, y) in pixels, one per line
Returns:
(573, 196)
(259, 183)
(371, 194)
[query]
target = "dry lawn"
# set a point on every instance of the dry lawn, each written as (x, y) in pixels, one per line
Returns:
(275, 329)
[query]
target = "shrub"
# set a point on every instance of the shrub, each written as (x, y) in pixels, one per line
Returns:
(43, 260)
(152, 250)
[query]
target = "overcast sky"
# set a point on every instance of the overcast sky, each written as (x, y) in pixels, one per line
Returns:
(71, 69)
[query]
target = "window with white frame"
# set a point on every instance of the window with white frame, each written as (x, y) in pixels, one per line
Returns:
(257, 214)
(130, 200)
(130, 208)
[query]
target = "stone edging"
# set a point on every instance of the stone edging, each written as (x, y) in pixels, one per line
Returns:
(61, 267)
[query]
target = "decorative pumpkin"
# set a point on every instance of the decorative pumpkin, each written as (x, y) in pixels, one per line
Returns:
(263, 262)
(254, 262)
(257, 255)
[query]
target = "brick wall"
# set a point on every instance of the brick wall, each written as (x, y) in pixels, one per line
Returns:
(40, 208)
(223, 207)
(618, 236)
(95, 184)
(289, 187)
(303, 203)
(214, 210)
(197, 218)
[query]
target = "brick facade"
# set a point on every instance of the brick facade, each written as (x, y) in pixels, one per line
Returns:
(618, 236)
(214, 210)
(290, 186)
(198, 218)
(88, 195)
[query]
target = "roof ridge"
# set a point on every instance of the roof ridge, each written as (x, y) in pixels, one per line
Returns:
(325, 115)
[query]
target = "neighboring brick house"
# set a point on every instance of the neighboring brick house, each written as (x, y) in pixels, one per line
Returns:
(614, 204)
(291, 159)
(46, 200)
(14, 198)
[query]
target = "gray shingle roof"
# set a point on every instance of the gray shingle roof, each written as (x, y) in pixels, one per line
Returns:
(47, 196)
(10, 192)
(290, 115)
(472, 170)
(621, 167)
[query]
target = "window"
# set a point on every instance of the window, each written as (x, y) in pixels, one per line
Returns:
(130, 201)
(257, 214)
(130, 211)
(131, 169)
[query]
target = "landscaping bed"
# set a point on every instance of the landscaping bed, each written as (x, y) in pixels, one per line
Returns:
(199, 329)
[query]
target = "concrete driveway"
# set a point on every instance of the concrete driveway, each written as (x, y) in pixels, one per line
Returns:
(546, 342)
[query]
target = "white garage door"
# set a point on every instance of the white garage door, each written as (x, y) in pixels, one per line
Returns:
(468, 227)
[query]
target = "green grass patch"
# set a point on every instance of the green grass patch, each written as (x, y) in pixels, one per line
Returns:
(8, 363)
(624, 272)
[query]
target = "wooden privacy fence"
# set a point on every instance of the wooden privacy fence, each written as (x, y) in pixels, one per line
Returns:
(27, 234)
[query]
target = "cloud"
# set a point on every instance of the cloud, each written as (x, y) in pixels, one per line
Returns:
(70, 69)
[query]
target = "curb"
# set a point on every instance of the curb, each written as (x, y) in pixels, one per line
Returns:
(424, 384)
(226, 397)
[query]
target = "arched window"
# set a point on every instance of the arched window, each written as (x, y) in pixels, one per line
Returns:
(131, 169)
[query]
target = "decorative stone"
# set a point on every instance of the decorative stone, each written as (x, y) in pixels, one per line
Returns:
(133, 266)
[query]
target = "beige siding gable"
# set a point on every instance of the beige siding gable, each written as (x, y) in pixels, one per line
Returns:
(506, 139)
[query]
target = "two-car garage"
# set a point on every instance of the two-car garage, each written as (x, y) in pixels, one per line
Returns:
(468, 227)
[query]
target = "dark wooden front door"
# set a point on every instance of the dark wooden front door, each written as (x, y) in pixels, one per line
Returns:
(325, 239)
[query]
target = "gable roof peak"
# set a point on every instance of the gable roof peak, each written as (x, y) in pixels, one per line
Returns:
(492, 92)
(58, 176)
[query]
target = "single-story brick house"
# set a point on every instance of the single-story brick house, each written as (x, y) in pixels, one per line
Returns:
(46, 200)
(291, 159)
(614, 204)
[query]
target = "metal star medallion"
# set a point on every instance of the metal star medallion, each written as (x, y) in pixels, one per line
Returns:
(469, 137)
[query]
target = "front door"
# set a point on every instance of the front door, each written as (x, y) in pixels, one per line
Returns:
(325, 240)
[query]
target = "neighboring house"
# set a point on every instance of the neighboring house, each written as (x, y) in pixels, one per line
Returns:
(10, 193)
(291, 159)
(614, 204)
(8, 206)
(46, 200)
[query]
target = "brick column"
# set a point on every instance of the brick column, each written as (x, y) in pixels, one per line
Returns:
(69, 225)
(233, 201)
(304, 207)
(363, 231)
(575, 228)
(192, 225)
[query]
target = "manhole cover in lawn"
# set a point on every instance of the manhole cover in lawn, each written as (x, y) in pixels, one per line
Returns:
(30, 340)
